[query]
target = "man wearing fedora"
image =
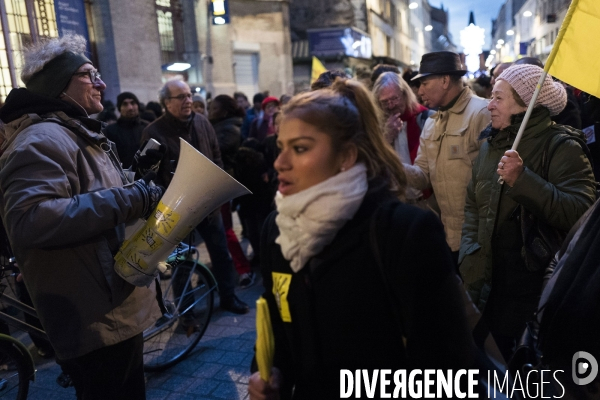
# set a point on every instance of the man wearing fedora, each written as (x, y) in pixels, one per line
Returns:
(450, 139)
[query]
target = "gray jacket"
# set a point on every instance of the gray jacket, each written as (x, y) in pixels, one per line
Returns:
(64, 208)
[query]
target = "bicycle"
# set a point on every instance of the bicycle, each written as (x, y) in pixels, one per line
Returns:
(16, 363)
(188, 299)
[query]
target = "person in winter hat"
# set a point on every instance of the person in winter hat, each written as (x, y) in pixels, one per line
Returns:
(523, 79)
(498, 270)
(65, 201)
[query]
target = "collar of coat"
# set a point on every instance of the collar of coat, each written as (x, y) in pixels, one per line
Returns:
(538, 122)
(459, 106)
(176, 122)
(87, 128)
(130, 122)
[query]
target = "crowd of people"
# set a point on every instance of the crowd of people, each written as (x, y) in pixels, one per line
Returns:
(393, 205)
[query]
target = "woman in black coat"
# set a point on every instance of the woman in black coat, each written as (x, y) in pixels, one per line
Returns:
(354, 278)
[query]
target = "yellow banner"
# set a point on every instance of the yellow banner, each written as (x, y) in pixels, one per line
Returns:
(317, 69)
(575, 56)
(265, 341)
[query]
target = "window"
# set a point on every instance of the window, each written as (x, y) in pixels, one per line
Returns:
(168, 16)
(5, 79)
(21, 36)
(18, 26)
(165, 30)
(246, 72)
(46, 18)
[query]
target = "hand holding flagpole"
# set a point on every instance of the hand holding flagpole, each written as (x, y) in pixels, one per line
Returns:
(576, 54)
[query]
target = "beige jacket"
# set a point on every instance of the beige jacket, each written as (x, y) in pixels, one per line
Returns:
(449, 145)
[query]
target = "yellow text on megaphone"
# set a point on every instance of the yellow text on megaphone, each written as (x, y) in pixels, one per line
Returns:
(198, 187)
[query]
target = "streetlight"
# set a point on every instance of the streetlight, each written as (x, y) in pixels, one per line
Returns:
(527, 14)
(413, 5)
(510, 32)
(428, 28)
(178, 66)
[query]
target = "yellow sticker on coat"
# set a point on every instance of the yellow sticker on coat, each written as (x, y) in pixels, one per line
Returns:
(281, 288)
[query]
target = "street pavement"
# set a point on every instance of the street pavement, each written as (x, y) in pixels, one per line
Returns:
(218, 368)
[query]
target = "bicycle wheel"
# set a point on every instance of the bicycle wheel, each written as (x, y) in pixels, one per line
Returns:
(189, 303)
(15, 369)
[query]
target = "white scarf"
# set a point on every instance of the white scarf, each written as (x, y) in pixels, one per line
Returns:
(309, 220)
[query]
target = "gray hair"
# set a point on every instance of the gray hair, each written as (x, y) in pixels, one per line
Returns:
(164, 93)
(37, 56)
(391, 79)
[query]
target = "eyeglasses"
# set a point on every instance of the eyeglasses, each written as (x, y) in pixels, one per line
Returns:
(93, 74)
(181, 97)
(391, 101)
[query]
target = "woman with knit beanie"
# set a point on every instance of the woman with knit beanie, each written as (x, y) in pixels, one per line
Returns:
(499, 273)
(354, 278)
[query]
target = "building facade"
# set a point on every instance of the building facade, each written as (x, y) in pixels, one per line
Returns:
(527, 28)
(441, 39)
(253, 52)
(399, 32)
(137, 45)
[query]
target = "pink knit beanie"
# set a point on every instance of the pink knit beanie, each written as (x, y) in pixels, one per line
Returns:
(523, 79)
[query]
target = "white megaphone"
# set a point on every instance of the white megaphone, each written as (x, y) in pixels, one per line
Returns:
(198, 188)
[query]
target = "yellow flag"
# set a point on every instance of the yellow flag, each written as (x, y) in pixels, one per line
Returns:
(575, 56)
(317, 69)
(265, 342)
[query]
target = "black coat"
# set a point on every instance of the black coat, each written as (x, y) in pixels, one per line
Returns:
(342, 315)
(229, 137)
(127, 135)
(197, 131)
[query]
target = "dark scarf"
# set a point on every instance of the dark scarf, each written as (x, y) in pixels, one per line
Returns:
(22, 101)
(413, 131)
(571, 319)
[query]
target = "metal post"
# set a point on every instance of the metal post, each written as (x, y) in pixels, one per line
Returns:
(8, 44)
(31, 17)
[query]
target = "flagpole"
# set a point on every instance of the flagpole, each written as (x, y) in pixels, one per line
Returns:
(538, 87)
(527, 115)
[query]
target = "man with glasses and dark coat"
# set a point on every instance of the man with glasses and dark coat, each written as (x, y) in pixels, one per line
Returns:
(65, 201)
(179, 121)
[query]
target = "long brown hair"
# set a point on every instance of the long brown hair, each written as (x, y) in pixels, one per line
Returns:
(346, 111)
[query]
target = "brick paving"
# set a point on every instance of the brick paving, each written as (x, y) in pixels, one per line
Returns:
(218, 368)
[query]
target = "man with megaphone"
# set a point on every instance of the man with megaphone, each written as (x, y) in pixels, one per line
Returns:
(179, 121)
(65, 201)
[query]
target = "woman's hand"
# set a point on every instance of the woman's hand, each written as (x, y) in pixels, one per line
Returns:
(261, 390)
(393, 126)
(510, 167)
